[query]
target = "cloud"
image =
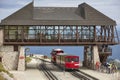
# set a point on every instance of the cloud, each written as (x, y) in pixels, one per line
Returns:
(75, 2)
(6, 12)
(24, 2)
(7, 7)
(8, 4)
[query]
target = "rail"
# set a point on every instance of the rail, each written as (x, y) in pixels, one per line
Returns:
(82, 76)
(89, 76)
(47, 72)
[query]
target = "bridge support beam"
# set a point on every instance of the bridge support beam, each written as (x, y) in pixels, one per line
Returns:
(21, 59)
(87, 56)
(95, 56)
(1, 37)
(91, 56)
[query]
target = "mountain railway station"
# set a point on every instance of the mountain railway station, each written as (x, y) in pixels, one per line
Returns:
(57, 26)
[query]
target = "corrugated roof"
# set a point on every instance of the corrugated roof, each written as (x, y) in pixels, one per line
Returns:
(84, 14)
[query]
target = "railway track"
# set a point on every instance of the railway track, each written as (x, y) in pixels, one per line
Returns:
(47, 72)
(76, 73)
(82, 76)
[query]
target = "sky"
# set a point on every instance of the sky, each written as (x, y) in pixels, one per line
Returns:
(75, 50)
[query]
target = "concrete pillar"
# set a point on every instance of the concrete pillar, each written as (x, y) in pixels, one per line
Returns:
(95, 56)
(85, 57)
(1, 37)
(21, 61)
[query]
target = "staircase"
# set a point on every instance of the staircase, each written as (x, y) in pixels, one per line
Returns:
(104, 52)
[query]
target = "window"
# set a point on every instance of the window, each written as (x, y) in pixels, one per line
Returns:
(68, 59)
(72, 59)
(76, 59)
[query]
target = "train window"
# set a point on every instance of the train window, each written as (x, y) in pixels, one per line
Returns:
(55, 52)
(60, 52)
(76, 59)
(68, 59)
(72, 59)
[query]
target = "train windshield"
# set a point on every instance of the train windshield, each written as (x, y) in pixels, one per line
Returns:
(72, 59)
(59, 51)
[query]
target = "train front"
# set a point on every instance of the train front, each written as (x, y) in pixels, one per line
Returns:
(72, 62)
(54, 53)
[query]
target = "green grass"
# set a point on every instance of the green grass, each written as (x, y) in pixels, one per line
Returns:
(2, 69)
(28, 59)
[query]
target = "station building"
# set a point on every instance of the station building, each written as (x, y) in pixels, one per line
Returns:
(60, 26)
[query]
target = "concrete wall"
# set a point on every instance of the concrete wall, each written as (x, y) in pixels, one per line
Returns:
(9, 57)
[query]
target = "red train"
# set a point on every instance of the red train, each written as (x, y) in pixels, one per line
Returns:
(65, 61)
(54, 53)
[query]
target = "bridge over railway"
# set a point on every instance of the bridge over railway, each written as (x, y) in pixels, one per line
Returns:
(59, 26)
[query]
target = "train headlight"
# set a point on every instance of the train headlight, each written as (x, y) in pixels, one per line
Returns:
(72, 61)
(77, 64)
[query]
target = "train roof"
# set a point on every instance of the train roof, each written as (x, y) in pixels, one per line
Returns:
(66, 54)
(57, 49)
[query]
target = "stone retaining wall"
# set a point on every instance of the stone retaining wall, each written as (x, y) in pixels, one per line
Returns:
(9, 57)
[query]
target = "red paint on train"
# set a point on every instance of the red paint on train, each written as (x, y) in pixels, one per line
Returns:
(67, 61)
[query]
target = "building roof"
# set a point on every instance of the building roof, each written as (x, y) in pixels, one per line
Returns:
(84, 14)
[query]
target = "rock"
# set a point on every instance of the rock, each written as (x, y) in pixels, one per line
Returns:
(6, 76)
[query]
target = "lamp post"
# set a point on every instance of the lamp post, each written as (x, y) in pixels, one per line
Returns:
(26, 50)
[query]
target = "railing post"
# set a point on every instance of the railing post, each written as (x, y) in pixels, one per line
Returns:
(95, 37)
(59, 34)
(77, 35)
